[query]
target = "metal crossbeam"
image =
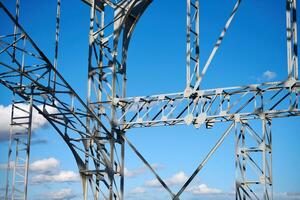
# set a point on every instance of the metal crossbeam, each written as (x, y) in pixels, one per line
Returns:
(277, 99)
(95, 131)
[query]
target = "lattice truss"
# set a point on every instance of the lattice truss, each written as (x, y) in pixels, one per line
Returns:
(95, 131)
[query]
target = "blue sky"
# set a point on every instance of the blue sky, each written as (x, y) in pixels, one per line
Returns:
(254, 44)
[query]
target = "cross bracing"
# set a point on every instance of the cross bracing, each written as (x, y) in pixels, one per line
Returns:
(95, 131)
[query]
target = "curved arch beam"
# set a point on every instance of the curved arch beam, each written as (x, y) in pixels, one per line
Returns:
(30, 68)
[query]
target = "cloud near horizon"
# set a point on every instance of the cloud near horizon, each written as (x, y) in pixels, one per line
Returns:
(269, 75)
(203, 189)
(131, 173)
(61, 176)
(65, 193)
(44, 164)
(47, 171)
(134, 172)
(38, 121)
(177, 179)
(137, 190)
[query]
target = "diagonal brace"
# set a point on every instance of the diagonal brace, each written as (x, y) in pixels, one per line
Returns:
(149, 166)
(217, 45)
(201, 165)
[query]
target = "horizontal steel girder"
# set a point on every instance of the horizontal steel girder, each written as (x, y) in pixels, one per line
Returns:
(274, 99)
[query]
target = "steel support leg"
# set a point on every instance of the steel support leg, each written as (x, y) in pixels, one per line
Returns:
(192, 45)
(19, 149)
(105, 77)
(292, 38)
(253, 160)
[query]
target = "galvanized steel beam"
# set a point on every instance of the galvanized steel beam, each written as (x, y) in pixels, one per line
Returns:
(206, 107)
(95, 131)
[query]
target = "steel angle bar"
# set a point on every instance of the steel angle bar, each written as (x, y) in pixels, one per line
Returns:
(214, 105)
(205, 160)
(217, 45)
(148, 166)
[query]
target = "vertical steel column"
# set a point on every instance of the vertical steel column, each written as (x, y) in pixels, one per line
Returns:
(106, 84)
(20, 137)
(9, 164)
(56, 41)
(16, 27)
(253, 153)
(292, 38)
(89, 120)
(192, 45)
(20, 131)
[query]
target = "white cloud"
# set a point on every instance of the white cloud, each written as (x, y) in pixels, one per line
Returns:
(288, 195)
(65, 193)
(130, 173)
(62, 176)
(138, 190)
(38, 120)
(203, 189)
(4, 166)
(153, 183)
(134, 172)
(47, 170)
(44, 164)
(177, 179)
(269, 75)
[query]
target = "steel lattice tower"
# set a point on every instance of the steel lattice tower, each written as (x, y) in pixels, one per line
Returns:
(95, 130)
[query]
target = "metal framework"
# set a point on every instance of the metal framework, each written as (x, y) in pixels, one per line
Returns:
(192, 45)
(253, 160)
(19, 147)
(95, 131)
